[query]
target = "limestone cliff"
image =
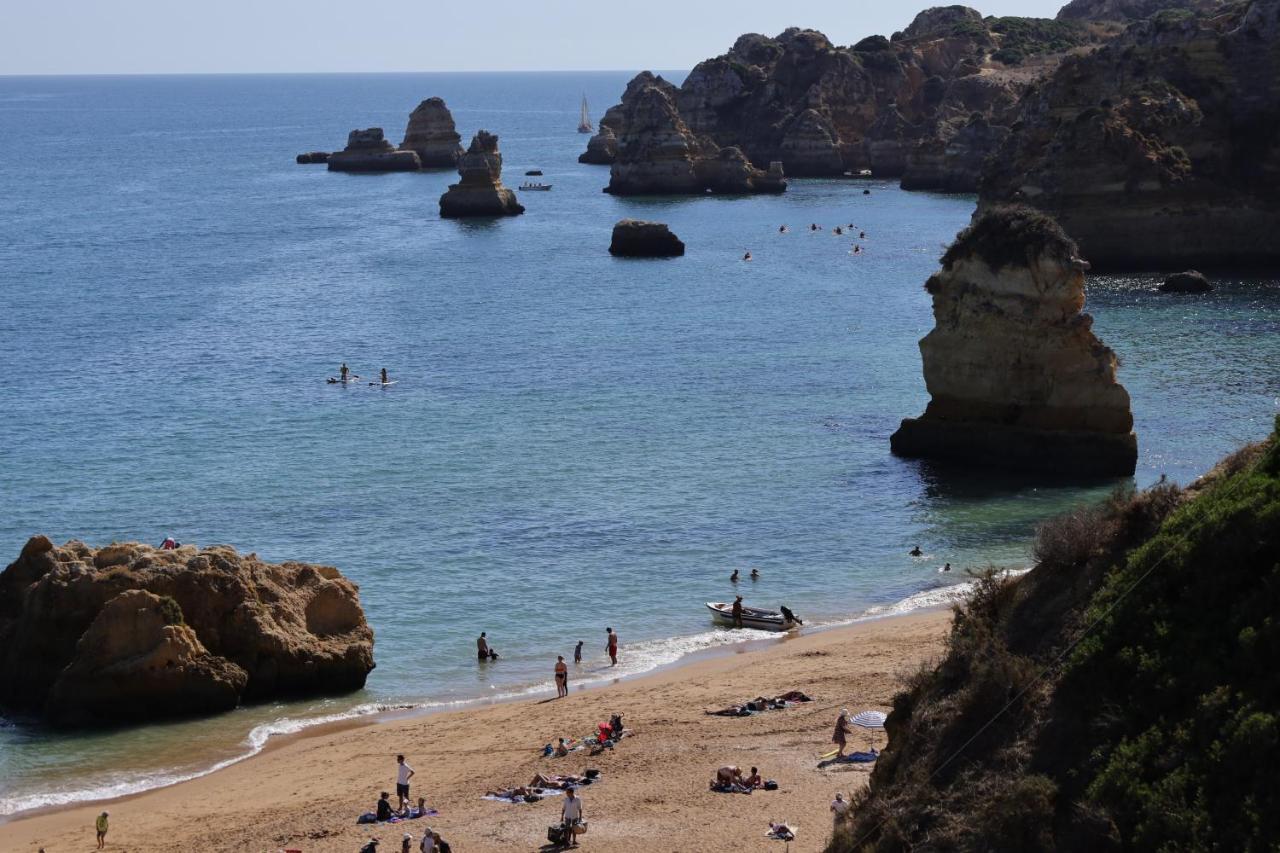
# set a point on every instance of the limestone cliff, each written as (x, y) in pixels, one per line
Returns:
(658, 154)
(369, 151)
(480, 191)
(129, 633)
(819, 109)
(1162, 149)
(432, 135)
(1016, 375)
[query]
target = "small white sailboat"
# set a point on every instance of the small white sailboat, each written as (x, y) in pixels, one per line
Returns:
(584, 121)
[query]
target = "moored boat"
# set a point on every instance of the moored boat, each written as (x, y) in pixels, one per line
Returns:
(528, 186)
(752, 617)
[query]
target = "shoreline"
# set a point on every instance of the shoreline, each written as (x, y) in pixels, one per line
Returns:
(923, 601)
(901, 639)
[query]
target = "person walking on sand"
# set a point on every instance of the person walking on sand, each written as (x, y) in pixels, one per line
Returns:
(482, 647)
(571, 816)
(577, 653)
(101, 826)
(611, 646)
(839, 808)
(562, 678)
(737, 612)
(841, 736)
(403, 774)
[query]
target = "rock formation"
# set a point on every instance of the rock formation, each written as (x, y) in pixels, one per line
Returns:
(130, 633)
(1189, 281)
(953, 162)
(480, 192)
(819, 109)
(635, 238)
(602, 148)
(1125, 11)
(659, 155)
(432, 136)
(313, 157)
(1016, 375)
(369, 151)
(1160, 150)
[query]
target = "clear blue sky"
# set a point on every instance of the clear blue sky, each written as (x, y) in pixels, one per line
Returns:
(212, 36)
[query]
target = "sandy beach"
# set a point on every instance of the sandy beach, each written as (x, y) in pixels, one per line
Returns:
(307, 793)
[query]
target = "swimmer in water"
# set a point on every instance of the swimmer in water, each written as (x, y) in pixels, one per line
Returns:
(782, 229)
(916, 552)
(857, 250)
(862, 235)
(947, 567)
(839, 230)
(747, 256)
(733, 578)
(755, 574)
(813, 226)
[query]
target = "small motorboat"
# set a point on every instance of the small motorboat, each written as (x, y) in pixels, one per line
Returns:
(752, 617)
(534, 172)
(529, 186)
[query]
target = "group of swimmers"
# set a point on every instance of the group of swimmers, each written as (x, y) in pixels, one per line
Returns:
(916, 552)
(485, 652)
(839, 231)
(755, 575)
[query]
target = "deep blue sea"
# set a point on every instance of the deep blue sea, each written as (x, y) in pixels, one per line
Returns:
(575, 441)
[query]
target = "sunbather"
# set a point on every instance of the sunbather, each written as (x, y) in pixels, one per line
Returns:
(556, 781)
(562, 749)
(514, 794)
(754, 780)
(729, 780)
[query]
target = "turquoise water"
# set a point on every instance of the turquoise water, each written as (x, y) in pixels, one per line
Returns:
(574, 441)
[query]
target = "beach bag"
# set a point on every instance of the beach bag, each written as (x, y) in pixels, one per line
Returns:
(367, 817)
(770, 785)
(579, 827)
(592, 773)
(555, 834)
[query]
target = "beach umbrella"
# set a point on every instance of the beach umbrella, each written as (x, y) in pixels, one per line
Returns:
(869, 719)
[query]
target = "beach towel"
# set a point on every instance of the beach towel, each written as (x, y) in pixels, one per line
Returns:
(861, 757)
(541, 794)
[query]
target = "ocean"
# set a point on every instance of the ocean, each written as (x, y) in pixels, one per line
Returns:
(574, 441)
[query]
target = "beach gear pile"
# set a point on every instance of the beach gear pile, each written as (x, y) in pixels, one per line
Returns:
(411, 814)
(760, 703)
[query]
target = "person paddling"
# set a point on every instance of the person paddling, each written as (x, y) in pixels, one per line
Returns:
(344, 372)
(384, 376)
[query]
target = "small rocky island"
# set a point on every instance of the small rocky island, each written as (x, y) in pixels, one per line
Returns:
(129, 633)
(1017, 377)
(480, 192)
(369, 151)
(432, 135)
(636, 238)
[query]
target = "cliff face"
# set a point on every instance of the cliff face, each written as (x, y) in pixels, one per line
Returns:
(131, 633)
(819, 109)
(1120, 696)
(658, 154)
(1017, 377)
(369, 151)
(480, 192)
(432, 135)
(1162, 149)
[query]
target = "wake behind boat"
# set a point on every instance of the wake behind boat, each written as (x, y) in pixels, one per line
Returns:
(752, 617)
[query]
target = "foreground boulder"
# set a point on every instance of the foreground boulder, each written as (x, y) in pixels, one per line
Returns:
(130, 633)
(1191, 281)
(635, 238)
(431, 135)
(313, 157)
(369, 151)
(1017, 377)
(480, 192)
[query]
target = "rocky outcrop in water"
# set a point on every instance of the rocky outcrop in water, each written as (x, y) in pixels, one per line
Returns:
(602, 148)
(658, 154)
(130, 633)
(1188, 281)
(635, 238)
(369, 151)
(819, 109)
(1016, 375)
(480, 191)
(313, 158)
(1162, 149)
(432, 135)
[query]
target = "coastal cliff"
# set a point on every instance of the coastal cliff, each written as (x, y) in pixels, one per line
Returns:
(369, 151)
(480, 191)
(1161, 150)
(130, 633)
(1016, 375)
(1119, 696)
(818, 109)
(431, 135)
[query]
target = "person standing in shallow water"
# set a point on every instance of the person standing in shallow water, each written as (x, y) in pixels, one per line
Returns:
(611, 646)
(737, 612)
(577, 653)
(482, 647)
(562, 677)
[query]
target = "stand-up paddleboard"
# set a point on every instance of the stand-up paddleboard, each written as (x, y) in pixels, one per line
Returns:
(384, 384)
(828, 755)
(334, 380)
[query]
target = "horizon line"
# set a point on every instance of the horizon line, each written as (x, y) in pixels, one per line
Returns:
(24, 75)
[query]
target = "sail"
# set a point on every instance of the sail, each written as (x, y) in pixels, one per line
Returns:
(584, 121)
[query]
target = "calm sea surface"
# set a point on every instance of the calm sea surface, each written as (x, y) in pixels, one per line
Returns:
(574, 441)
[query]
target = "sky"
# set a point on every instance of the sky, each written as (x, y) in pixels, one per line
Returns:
(248, 36)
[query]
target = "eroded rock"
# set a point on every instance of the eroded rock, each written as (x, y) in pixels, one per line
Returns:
(431, 135)
(480, 191)
(635, 238)
(369, 151)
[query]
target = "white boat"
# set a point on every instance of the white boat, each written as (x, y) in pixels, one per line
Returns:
(752, 617)
(531, 187)
(584, 121)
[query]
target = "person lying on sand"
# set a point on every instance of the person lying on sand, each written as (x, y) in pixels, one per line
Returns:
(556, 781)
(781, 831)
(515, 794)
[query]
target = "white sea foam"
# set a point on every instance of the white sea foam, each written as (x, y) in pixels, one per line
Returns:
(638, 658)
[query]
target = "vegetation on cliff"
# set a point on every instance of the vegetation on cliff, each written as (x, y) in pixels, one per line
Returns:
(1121, 695)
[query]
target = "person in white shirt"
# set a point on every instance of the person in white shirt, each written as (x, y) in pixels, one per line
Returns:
(571, 816)
(403, 774)
(839, 807)
(428, 844)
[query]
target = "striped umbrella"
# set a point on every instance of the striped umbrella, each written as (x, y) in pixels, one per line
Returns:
(869, 719)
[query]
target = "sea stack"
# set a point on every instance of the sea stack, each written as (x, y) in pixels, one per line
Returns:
(369, 151)
(1016, 375)
(480, 192)
(129, 633)
(432, 135)
(635, 238)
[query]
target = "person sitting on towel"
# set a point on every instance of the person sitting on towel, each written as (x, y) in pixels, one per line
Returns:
(615, 724)
(754, 780)
(383, 810)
